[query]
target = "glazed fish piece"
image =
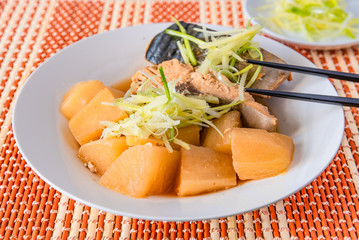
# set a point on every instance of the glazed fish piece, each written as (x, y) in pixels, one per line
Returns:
(173, 70)
(254, 114)
(189, 81)
(270, 78)
(163, 47)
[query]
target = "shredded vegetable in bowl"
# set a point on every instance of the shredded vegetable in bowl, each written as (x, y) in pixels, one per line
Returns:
(223, 50)
(314, 19)
(160, 111)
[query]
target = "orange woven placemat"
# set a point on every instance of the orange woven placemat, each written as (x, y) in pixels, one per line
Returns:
(33, 30)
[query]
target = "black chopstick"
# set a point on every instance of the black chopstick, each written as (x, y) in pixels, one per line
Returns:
(313, 71)
(344, 101)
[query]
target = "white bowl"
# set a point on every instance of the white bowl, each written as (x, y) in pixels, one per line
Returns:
(45, 141)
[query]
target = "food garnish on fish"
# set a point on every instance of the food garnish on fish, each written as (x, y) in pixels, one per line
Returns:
(189, 82)
(163, 47)
(222, 72)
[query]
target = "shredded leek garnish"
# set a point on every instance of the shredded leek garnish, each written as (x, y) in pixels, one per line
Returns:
(159, 111)
(315, 19)
(241, 86)
(183, 52)
(190, 53)
(256, 73)
(224, 50)
(215, 33)
(165, 85)
(184, 36)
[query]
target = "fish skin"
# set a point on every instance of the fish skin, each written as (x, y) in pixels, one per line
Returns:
(270, 78)
(164, 47)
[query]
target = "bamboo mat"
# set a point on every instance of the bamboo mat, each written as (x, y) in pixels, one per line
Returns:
(33, 30)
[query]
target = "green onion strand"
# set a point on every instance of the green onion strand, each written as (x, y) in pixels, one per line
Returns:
(190, 53)
(184, 36)
(165, 85)
(172, 134)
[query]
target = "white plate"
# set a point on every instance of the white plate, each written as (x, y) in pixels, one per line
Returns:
(44, 139)
(251, 7)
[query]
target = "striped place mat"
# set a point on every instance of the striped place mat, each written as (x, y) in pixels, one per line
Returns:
(33, 30)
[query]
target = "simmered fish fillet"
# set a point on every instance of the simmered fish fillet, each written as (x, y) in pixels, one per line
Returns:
(164, 47)
(190, 82)
(270, 78)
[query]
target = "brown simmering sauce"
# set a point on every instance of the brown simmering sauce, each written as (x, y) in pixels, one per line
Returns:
(123, 85)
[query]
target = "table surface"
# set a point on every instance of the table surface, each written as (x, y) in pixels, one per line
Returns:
(33, 30)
